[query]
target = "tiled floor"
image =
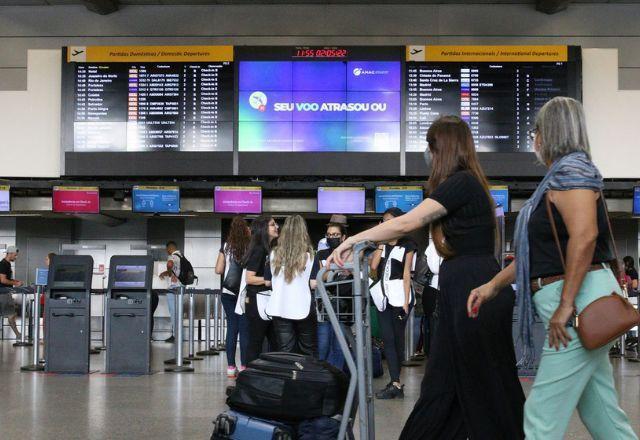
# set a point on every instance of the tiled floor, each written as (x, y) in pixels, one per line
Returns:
(171, 406)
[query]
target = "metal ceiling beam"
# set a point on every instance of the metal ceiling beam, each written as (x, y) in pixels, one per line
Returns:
(102, 7)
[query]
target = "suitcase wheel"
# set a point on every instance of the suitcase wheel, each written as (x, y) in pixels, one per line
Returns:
(280, 434)
(224, 425)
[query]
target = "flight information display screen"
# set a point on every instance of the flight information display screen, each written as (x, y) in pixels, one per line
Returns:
(5, 198)
(322, 100)
(497, 90)
(130, 276)
(156, 199)
(148, 98)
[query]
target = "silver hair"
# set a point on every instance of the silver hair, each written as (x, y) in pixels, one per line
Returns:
(562, 129)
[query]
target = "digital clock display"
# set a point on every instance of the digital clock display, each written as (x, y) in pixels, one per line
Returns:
(320, 53)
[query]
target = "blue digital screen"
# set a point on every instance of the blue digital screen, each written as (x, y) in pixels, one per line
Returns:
(501, 197)
(42, 276)
(319, 106)
(156, 200)
(405, 198)
(636, 200)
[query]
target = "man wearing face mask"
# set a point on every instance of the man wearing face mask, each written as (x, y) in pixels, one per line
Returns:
(328, 347)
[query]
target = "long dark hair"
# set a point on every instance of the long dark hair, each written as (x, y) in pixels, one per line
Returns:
(259, 236)
(238, 238)
(452, 147)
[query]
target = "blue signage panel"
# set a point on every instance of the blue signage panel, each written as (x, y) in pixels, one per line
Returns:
(636, 201)
(156, 199)
(42, 276)
(403, 197)
(500, 195)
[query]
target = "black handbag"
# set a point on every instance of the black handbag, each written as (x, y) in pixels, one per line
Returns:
(233, 278)
(289, 387)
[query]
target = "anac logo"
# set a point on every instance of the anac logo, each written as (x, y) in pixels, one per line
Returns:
(258, 100)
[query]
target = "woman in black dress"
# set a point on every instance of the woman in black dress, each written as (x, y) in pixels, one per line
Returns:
(471, 387)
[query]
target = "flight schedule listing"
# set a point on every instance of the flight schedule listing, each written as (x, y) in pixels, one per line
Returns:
(498, 100)
(153, 106)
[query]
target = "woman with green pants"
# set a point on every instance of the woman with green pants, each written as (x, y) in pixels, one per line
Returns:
(569, 375)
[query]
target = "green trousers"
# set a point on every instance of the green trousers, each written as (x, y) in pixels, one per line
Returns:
(574, 377)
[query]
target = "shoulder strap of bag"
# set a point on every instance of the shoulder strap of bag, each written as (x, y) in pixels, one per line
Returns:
(554, 230)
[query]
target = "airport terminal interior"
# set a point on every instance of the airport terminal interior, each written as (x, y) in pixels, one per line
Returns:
(137, 134)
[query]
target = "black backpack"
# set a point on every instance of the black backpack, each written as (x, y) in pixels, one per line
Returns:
(187, 276)
(422, 275)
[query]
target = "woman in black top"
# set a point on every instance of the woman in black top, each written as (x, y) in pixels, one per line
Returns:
(471, 387)
(393, 262)
(264, 231)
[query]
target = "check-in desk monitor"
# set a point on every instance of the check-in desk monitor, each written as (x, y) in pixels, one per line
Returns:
(128, 314)
(68, 314)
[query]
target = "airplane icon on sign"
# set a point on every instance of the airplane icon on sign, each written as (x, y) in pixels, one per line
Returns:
(77, 52)
(415, 51)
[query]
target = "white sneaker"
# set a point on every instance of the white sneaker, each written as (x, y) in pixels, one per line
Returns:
(232, 371)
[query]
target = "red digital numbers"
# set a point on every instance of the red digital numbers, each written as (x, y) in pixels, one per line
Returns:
(321, 53)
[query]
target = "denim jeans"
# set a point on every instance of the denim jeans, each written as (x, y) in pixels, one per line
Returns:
(328, 346)
(171, 304)
(236, 326)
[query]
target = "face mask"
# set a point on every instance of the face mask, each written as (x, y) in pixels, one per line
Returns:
(334, 242)
(428, 158)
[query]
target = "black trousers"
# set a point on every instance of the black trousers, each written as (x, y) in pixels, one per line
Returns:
(259, 329)
(154, 306)
(392, 324)
(297, 336)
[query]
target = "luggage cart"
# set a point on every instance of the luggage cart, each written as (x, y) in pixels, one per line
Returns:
(358, 359)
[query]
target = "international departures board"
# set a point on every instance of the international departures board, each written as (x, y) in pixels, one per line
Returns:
(497, 90)
(191, 109)
(152, 98)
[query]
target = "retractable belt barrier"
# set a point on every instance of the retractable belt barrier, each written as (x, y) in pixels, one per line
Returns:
(359, 359)
(25, 290)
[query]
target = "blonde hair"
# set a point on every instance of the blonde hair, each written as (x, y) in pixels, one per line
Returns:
(293, 246)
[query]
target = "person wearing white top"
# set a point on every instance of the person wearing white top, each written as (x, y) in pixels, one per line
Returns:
(291, 305)
(172, 273)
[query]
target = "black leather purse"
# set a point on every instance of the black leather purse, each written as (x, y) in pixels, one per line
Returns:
(233, 278)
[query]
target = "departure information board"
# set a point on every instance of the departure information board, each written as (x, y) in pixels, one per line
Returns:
(152, 98)
(497, 90)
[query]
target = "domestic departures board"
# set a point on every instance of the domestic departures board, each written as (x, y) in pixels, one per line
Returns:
(148, 98)
(497, 90)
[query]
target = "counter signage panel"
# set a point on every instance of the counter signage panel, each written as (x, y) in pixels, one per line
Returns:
(5, 198)
(238, 200)
(500, 196)
(341, 200)
(404, 197)
(156, 199)
(76, 199)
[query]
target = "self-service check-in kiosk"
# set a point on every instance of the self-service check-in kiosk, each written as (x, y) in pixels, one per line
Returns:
(68, 314)
(128, 314)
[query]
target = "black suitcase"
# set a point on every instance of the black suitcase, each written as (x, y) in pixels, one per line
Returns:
(289, 387)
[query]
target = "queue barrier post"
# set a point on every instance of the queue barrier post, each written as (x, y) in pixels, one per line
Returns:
(207, 324)
(35, 362)
(179, 365)
(23, 319)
